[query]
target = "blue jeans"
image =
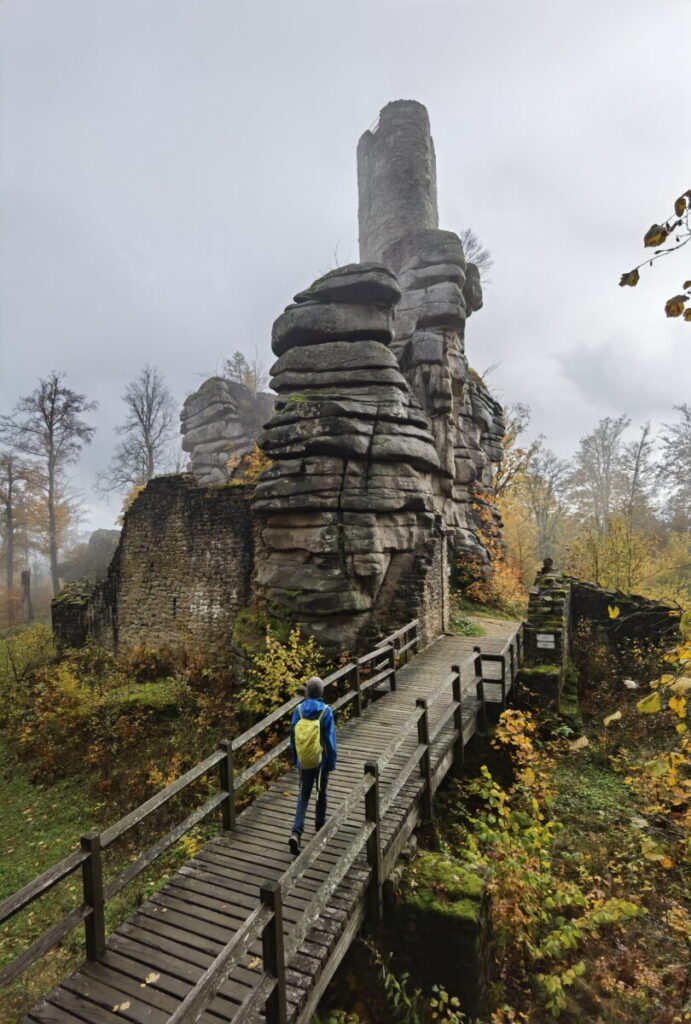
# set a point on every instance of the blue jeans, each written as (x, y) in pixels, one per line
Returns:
(308, 776)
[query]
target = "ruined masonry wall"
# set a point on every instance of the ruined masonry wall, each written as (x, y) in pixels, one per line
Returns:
(397, 178)
(181, 572)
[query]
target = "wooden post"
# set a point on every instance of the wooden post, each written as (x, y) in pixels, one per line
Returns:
(228, 786)
(459, 748)
(358, 693)
(512, 669)
(425, 762)
(480, 688)
(92, 882)
(502, 666)
(374, 858)
(276, 1009)
(392, 659)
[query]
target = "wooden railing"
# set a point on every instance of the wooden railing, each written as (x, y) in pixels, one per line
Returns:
(270, 992)
(360, 677)
(265, 922)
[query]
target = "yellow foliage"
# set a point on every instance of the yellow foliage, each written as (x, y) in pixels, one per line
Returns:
(280, 671)
(247, 468)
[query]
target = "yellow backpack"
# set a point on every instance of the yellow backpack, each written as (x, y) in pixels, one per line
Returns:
(308, 744)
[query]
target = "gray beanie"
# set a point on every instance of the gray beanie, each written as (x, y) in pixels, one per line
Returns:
(315, 687)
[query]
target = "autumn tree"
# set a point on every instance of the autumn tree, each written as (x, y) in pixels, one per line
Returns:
(47, 429)
(146, 434)
(517, 457)
(673, 234)
(253, 375)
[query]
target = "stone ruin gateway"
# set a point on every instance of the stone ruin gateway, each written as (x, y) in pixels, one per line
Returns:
(383, 445)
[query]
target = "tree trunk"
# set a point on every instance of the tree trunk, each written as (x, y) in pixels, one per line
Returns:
(52, 525)
(27, 610)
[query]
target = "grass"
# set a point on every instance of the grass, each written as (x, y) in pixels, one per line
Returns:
(40, 825)
(465, 606)
(460, 623)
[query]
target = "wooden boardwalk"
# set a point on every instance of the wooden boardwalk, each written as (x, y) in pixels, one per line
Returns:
(154, 960)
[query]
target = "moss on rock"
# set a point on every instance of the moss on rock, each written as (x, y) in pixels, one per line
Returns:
(437, 883)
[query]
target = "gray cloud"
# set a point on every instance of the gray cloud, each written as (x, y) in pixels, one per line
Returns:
(173, 172)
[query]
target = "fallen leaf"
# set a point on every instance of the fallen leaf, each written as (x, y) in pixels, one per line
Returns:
(578, 744)
(630, 684)
(615, 717)
(121, 1006)
(150, 979)
(254, 963)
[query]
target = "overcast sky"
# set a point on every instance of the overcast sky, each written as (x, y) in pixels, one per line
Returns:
(173, 171)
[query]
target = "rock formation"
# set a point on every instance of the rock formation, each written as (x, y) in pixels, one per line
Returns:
(440, 290)
(347, 511)
(383, 444)
(221, 419)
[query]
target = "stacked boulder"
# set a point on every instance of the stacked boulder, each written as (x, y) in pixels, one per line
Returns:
(440, 290)
(347, 511)
(220, 422)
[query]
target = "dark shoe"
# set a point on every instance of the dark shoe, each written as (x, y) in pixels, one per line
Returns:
(294, 843)
(317, 827)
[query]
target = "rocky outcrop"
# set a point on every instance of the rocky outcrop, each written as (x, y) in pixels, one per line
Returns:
(222, 419)
(440, 290)
(349, 508)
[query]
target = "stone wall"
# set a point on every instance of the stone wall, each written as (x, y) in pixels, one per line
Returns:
(180, 574)
(636, 620)
(397, 178)
(547, 635)
(559, 605)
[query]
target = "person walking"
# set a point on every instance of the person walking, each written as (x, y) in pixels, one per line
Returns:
(313, 746)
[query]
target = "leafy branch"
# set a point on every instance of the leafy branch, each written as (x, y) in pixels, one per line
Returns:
(677, 226)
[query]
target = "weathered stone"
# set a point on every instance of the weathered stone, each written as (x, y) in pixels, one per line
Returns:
(367, 284)
(220, 420)
(314, 324)
(286, 382)
(336, 355)
(472, 290)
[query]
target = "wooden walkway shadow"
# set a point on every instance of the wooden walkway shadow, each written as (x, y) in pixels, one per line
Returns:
(244, 931)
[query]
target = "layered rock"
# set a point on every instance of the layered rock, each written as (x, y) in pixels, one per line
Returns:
(220, 420)
(348, 509)
(440, 290)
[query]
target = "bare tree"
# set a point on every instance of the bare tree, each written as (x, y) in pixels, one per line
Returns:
(674, 468)
(146, 433)
(638, 471)
(545, 490)
(597, 481)
(517, 458)
(15, 474)
(476, 253)
(47, 427)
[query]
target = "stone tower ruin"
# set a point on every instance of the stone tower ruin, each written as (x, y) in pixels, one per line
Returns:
(382, 440)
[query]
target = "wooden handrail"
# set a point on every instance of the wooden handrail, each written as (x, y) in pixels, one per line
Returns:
(136, 816)
(89, 857)
(198, 998)
(44, 883)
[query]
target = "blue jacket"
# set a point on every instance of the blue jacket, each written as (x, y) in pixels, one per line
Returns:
(312, 708)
